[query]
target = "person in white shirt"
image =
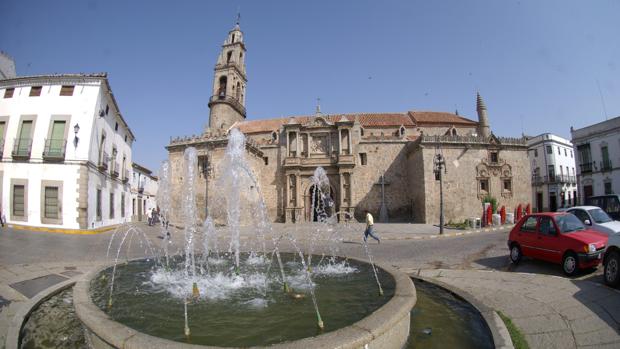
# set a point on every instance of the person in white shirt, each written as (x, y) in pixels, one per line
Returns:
(369, 228)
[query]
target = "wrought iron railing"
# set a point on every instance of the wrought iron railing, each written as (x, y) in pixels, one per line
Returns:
(471, 139)
(103, 161)
(115, 169)
(586, 167)
(606, 165)
(125, 176)
(54, 149)
(22, 148)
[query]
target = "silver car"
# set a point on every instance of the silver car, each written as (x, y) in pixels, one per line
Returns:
(596, 219)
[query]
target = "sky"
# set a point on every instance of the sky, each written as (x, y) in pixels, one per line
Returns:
(541, 66)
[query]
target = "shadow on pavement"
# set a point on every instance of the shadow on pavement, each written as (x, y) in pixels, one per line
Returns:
(533, 266)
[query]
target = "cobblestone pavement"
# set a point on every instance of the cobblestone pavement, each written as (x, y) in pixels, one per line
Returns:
(553, 311)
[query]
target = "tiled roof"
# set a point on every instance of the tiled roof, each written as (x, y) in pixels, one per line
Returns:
(365, 119)
(440, 118)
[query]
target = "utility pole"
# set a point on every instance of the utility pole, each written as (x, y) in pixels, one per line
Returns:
(439, 165)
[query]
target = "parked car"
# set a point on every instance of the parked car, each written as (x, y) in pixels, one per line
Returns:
(557, 237)
(595, 218)
(611, 261)
(609, 203)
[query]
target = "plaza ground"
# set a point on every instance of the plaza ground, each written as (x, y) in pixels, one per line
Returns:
(551, 310)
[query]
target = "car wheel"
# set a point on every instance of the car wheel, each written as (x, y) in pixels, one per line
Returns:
(570, 264)
(515, 254)
(612, 263)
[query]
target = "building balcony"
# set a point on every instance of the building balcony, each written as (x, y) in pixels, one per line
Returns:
(125, 176)
(230, 100)
(22, 148)
(115, 169)
(586, 167)
(141, 189)
(54, 149)
(103, 161)
(553, 179)
(605, 165)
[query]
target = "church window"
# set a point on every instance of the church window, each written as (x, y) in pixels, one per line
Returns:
(233, 39)
(222, 89)
(228, 56)
(507, 185)
(361, 131)
(238, 91)
(240, 56)
(107, 109)
(363, 159)
(484, 185)
(401, 131)
(274, 136)
(454, 132)
(535, 153)
(266, 160)
(494, 157)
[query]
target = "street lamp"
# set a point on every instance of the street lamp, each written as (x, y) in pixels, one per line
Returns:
(76, 129)
(206, 172)
(439, 165)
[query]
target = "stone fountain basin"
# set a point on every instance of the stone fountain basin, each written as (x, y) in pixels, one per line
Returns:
(387, 327)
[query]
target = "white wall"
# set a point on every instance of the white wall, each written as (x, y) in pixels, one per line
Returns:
(562, 158)
(89, 96)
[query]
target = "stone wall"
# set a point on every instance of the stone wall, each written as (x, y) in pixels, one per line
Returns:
(366, 193)
(462, 193)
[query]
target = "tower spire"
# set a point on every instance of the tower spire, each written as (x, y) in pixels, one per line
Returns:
(238, 16)
(484, 129)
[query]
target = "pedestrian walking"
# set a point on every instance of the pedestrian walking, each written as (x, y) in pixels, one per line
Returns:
(149, 217)
(369, 228)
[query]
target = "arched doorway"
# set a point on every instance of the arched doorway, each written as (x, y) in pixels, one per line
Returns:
(324, 204)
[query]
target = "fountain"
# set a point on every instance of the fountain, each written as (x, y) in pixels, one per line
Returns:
(254, 293)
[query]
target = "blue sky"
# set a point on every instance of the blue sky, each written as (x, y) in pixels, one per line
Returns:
(537, 64)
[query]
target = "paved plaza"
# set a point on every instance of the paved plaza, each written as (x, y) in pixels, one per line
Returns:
(551, 310)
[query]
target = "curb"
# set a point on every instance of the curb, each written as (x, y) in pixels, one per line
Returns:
(63, 231)
(499, 332)
(448, 235)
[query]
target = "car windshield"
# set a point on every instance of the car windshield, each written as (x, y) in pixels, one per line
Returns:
(569, 223)
(599, 216)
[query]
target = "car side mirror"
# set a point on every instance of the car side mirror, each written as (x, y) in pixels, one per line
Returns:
(587, 222)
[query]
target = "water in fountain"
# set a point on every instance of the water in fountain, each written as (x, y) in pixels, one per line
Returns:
(198, 283)
(163, 202)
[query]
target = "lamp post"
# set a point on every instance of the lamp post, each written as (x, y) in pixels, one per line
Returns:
(439, 165)
(76, 129)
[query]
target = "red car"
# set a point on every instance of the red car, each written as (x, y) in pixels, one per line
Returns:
(557, 237)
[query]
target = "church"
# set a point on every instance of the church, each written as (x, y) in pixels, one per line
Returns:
(381, 162)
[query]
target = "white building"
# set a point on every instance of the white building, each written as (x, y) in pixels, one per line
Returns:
(66, 151)
(554, 182)
(143, 192)
(598, 155)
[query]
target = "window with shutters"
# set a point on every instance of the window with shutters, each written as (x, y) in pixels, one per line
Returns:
(98, 204)
(66, 90)
(51, 202)
(19, 200)
(35, 91)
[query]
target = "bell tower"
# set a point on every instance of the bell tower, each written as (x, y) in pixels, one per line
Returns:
(227, 101)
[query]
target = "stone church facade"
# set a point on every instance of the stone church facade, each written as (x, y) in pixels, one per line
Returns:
(370, 158)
